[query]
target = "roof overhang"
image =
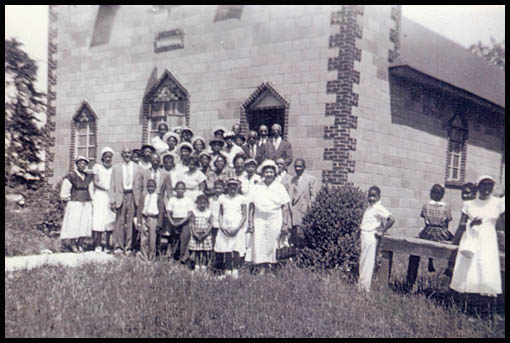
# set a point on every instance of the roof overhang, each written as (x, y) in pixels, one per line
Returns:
(411, 74)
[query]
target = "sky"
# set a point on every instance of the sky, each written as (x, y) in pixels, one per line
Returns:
(463, 24)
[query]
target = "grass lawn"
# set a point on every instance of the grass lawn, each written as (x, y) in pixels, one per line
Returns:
(130, 298)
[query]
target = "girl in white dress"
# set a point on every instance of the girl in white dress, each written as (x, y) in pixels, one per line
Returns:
(477, 266)
(77, 188)
(230, 242)
(103, 218)
(268, 201)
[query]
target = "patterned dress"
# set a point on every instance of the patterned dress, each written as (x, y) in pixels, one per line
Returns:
(437, 215)
(199, 225)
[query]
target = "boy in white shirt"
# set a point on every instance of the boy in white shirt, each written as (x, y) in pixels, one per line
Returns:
(179, 211)
(150, 220)
(376, 220)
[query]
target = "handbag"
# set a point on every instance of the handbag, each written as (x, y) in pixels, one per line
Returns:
(467, 245)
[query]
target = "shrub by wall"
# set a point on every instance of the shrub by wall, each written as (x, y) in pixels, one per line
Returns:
(47, 208)
(331, 231)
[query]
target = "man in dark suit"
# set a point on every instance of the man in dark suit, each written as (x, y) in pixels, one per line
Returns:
(276, 147)
(302, 190)
(263, 132)
(252, 149)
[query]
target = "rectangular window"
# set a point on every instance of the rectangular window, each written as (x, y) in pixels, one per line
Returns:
(86, 140)
(454, 165)
(153, 129)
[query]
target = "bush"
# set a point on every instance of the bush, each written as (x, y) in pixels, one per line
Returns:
(331, 231)
(46, 205)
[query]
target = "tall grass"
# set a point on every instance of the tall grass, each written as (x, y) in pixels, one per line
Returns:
(130, 298)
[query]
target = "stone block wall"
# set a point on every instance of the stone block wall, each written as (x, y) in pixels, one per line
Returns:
(402, 130)
(221, 65)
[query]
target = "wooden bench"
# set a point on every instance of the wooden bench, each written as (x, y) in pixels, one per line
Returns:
(414, 247)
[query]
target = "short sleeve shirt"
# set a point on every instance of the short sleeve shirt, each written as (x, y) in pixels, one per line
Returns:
(268, 198)
(193, 180)
(373, 217)
(180, 207)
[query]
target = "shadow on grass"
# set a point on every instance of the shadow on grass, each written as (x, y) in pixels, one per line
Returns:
(436, 289)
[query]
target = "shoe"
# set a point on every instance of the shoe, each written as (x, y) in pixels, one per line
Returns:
(74, 249)
(228, 272)
(108, 250)
(235, 273)
(221, 277)
(80, 249)
(117, 252)
(98, 249)
(127, 252)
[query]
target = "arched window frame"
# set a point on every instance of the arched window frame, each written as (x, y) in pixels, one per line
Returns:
(83, 124)
(167, 101)
(255, 97)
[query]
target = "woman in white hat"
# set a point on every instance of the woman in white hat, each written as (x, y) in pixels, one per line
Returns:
(477, 268)
(269, 206)
(103, 218)
(230, 150)
(77, 188)
(172, 140)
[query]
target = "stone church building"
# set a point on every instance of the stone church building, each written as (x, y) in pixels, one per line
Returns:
(364, 95)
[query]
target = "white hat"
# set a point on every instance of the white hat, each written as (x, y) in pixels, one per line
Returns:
(267, 163)
(106, 149)
(485, 177)
(229, 134)
(171, 134)
(185, 144)
(250, 160)
(198, 138)
(168, 153)
(81, 157)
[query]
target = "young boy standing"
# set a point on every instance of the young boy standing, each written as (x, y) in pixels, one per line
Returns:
(376, 220)
(150, 219)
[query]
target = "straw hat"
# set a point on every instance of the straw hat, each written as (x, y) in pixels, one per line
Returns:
(267, 164)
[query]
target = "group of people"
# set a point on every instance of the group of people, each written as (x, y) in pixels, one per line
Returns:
(475, 269)
(233, 201)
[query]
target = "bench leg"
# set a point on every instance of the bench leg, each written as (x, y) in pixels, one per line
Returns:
(412, 271)
(385, 270)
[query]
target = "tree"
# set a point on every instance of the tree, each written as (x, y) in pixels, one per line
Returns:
(24, 140)
(495, 53)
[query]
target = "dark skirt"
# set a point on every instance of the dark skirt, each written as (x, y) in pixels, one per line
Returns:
(436, 233)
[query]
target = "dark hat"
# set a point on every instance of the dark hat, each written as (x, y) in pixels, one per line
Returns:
(216, 140)
(145, 146)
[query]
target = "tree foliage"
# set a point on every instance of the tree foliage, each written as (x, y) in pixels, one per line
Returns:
(24, 140)
(494, 53)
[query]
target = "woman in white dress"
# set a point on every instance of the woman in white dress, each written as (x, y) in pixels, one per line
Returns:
(103, 218)
(77, 188)
(268, 202)
(477, 268)
(158, 142)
